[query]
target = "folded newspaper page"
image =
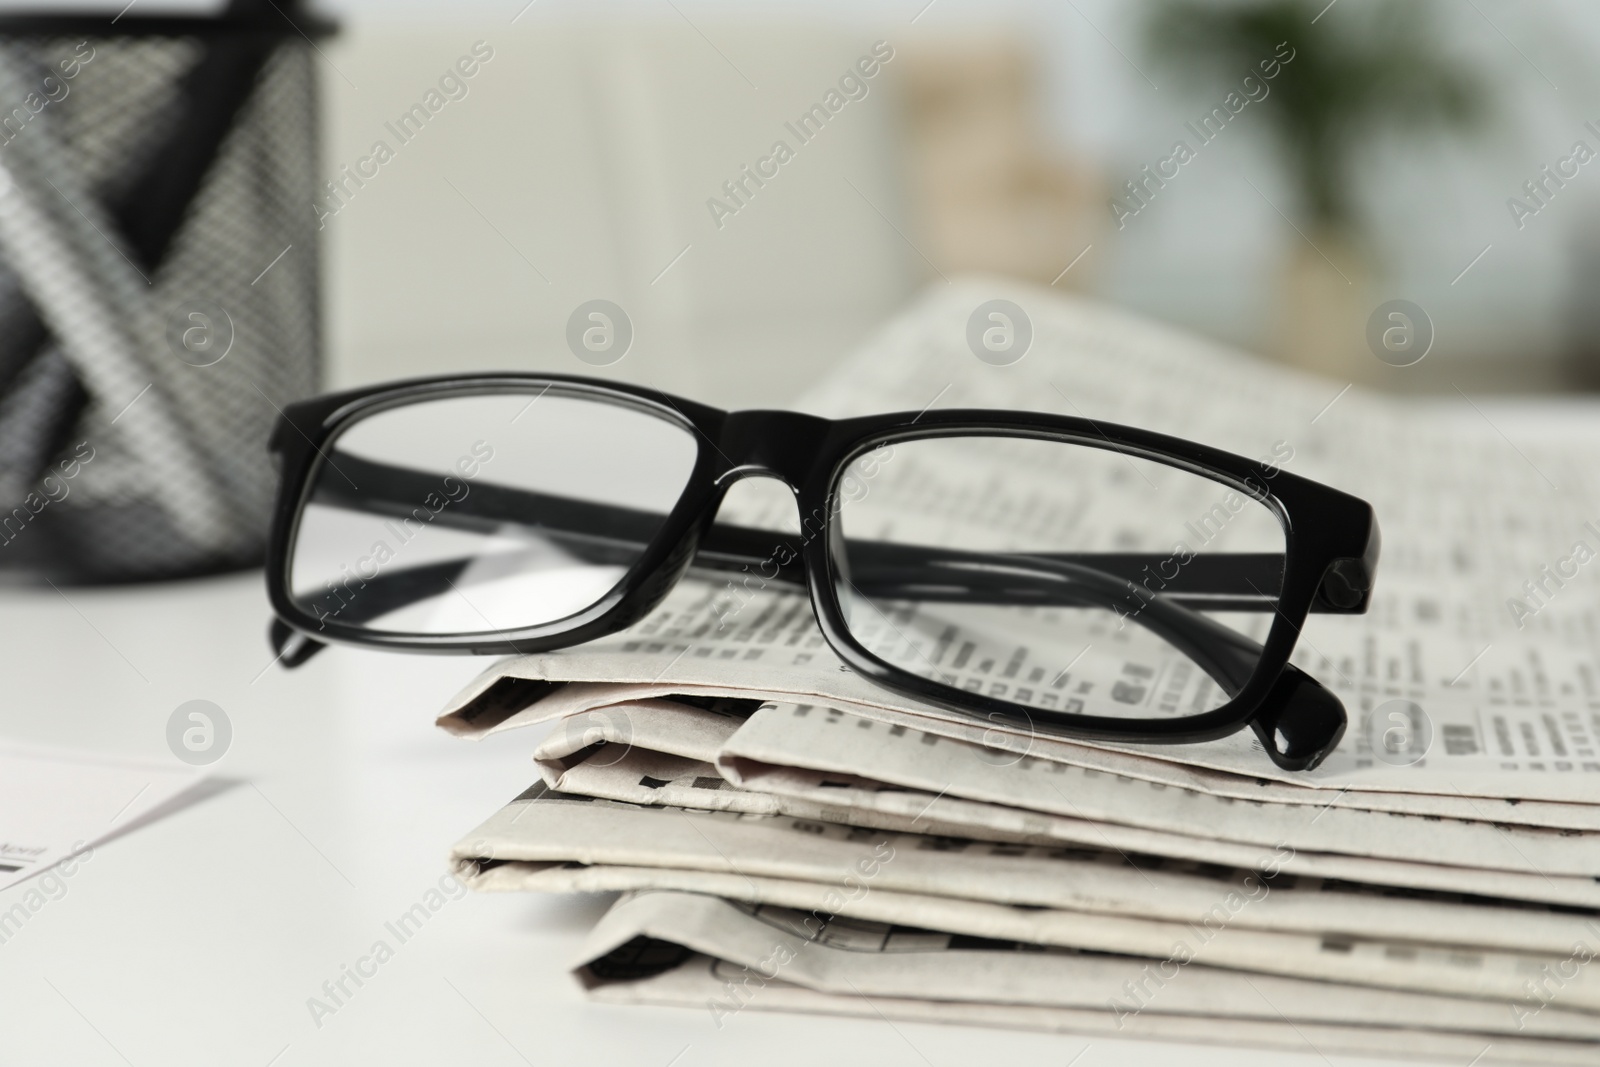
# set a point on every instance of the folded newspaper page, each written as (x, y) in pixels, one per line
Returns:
(827, 739)
(697, 727)
(722, 957)
(777, 653)
(1248, 920)
(637, 775)
(1471, 624)
(500, 700)
(700, 733)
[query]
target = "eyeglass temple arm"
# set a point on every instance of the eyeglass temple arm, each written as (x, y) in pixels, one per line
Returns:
(1221, 581)
(1298, 724)
(600, 533)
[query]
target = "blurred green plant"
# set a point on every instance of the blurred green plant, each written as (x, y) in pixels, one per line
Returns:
(1360, 69)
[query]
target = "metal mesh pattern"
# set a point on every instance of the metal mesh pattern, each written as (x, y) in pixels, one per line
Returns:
(170, 373)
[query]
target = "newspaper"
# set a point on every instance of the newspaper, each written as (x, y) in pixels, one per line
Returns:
(827, 739)
(719, 749)
(698, 726)
(1245, 920)
(774, 651)
(642, 776)
(1513, 695)
(701, 735)
(744, 955)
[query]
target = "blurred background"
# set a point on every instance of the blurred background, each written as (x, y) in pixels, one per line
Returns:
(996, 139)
(1266, 173)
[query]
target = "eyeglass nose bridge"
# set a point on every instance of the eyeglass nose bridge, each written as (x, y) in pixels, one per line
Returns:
(778, 444)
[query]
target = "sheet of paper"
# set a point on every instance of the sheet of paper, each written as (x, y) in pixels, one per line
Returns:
(55, 802)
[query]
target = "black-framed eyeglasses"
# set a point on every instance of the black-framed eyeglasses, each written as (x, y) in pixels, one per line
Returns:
(1073, 576)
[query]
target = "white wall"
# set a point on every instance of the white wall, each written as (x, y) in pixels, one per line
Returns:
(579, 166)
(1208, 252)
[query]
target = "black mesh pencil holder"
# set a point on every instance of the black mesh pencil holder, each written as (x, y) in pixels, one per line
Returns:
(158, 284)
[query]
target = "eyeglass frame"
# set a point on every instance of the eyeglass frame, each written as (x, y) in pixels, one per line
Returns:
(1331, 544)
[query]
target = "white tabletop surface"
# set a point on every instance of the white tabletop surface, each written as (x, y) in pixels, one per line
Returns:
(198, 937)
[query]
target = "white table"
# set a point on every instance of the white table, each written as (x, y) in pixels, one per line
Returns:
(198, 937)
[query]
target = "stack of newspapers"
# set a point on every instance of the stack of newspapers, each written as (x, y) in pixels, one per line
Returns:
(787, 836)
